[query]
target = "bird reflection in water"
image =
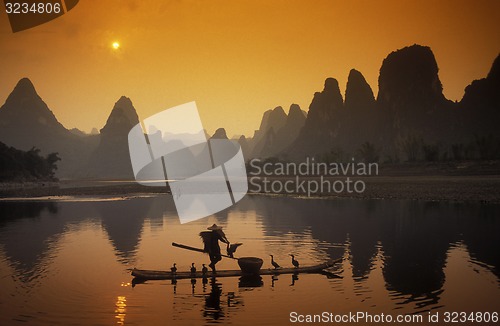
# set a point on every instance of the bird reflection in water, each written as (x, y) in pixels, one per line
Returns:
(174, 283)
(204, 281)
(274, 278)
(193, 285)
(295, 277)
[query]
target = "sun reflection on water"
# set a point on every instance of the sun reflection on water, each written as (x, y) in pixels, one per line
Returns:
(121, 309)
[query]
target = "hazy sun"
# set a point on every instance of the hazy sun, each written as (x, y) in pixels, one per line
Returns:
(115, 45)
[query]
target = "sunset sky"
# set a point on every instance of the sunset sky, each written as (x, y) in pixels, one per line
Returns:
(236, 59)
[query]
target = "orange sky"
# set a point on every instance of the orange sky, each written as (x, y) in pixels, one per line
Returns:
(236, 59)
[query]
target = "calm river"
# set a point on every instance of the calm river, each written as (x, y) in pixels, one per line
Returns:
(65, 262)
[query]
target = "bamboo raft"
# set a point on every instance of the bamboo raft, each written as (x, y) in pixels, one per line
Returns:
(144, 274)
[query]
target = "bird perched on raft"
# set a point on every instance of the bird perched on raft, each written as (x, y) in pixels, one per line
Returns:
(275, 264)
(193, 269)
(173, 269)
(295, 263)
(204, 270)
(231, 248)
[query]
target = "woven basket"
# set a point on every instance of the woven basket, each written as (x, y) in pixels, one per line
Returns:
(250, 265)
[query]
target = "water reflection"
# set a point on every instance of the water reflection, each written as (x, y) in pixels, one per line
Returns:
(213, 309)
(123, 224)
(121, 309)
(10, 211)
(250, 281)
(274, 279)
(204, 282)
(25, 243)
(397, 250)
(295, 277)
(193, 285)
(29, 231)
(415, 236)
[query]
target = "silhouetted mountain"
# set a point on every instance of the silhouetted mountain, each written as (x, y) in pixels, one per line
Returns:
(410, 76)
(323, 110)
(265, 147)
(26, 122)
(411, 96)
(277, 139)
(481, 103)
(219, 134)
(289, 133)
(275, 118)
(296, 119)
(358, 94)
(245, 147)
(24, 107)
(322, 124)
(258, 134)
(410, 120)
(111, 158)
(265, 138)
(78, 132)
(362, 120)
(332, 126)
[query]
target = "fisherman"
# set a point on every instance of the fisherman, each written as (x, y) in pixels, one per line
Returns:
(211, 243)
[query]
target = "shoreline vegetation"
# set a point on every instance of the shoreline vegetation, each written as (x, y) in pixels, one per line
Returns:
(468, 181)
(26, 166)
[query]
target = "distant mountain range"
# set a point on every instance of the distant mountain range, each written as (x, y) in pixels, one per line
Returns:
(111, 159)
(277, 131)
(27, 122)
(409, 120)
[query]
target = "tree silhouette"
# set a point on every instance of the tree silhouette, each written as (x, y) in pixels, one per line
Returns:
(17, 165)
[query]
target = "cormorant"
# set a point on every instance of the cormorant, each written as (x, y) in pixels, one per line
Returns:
(231, 248)
(294, 262)
(173, 269)
(204, 270)
(275, 264)
(193, 269)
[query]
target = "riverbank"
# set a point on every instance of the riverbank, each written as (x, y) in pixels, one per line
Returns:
(461, 182)
(76, 188)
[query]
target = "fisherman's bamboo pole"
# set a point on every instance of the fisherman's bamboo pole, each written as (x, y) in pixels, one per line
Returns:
(178, 245)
